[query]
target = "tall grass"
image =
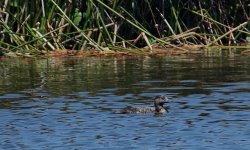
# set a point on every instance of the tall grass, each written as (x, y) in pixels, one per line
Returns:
(33, 26)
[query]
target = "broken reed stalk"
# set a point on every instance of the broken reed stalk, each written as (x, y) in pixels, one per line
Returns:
(92, 42)
(229, 32)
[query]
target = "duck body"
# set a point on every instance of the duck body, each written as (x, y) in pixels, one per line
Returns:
(158, 107)
(136, 110)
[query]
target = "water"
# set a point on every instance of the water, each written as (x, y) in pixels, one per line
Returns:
(68, 103)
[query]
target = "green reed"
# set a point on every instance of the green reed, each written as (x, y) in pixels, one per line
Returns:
(32, 26)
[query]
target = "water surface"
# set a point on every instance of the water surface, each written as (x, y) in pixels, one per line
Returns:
(68, 103)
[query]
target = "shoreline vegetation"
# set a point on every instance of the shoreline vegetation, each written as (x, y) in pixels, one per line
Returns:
(96, 27)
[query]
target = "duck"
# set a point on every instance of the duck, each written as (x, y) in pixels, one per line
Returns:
(158, 107)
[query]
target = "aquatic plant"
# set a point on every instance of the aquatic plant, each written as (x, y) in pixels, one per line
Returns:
(38, 25)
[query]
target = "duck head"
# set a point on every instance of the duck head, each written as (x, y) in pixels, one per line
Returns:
(159, 102)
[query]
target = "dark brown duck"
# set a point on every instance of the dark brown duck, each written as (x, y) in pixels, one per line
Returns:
(158, 107)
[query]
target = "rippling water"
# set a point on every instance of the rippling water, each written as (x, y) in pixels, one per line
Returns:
(68, 103)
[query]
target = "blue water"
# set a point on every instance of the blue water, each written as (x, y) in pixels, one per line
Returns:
(69, 103)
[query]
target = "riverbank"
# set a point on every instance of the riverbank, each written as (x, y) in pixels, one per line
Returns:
(26, 29)
(184, 50)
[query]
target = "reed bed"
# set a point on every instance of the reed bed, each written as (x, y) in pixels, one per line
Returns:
(38, 26)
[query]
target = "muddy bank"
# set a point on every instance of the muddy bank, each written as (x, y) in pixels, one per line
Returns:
(187, 50)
